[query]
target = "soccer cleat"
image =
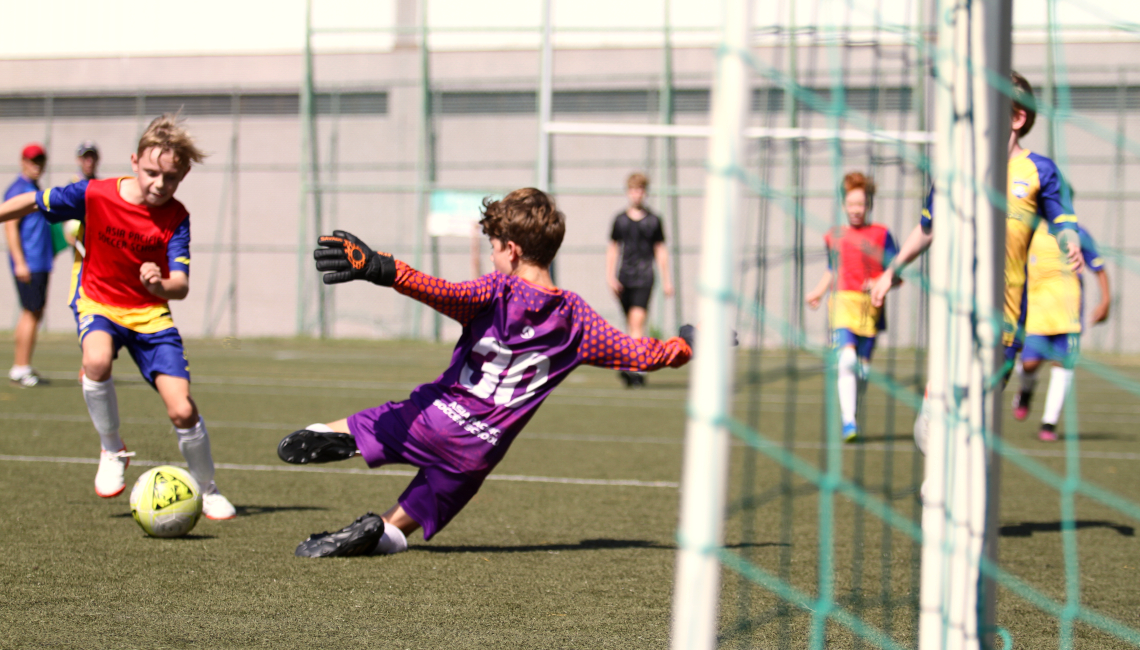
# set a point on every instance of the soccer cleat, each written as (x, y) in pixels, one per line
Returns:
(305, 446)
(29, 380)
(357, 538)
(215, 506)
(1047, 433)
(109, 481)
(850, 432)
(1021, 405)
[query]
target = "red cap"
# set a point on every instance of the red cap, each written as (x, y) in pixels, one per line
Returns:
(33, 151)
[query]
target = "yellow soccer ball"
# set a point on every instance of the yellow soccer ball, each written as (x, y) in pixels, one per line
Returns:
(166, 501)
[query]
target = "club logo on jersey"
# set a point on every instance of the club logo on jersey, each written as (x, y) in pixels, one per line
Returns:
(168, 490)
(1021, 189)
(528, 332)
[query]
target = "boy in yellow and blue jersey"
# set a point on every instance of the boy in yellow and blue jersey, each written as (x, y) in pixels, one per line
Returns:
(1054, 301)
(1035, 196)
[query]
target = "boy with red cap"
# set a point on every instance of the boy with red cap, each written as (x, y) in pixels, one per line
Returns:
(30, 255)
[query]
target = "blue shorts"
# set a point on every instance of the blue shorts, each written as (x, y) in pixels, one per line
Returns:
(864, 345)
(160, 353)
(1056, 347)
(33, 295)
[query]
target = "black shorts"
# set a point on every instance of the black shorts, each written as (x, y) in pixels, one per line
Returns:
(33, 295)
(635, 297)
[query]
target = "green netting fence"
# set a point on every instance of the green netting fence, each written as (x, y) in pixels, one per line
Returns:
(823, 540)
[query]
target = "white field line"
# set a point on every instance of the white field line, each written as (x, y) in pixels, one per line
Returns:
(902, 445)
(367, 472)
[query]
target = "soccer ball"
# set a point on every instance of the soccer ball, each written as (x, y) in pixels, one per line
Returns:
(166, 501)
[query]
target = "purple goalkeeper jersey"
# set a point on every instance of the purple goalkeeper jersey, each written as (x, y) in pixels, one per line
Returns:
(519, 342)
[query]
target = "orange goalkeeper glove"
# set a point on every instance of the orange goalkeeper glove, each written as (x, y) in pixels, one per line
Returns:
(347, 258)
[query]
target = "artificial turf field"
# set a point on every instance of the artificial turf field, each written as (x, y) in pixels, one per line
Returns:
(571, 544)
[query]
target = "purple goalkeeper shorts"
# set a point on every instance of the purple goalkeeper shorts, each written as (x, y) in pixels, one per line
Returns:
(438, 492)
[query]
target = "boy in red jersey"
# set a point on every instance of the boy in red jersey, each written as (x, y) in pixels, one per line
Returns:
(856, 256)
(137, 240)
(522, 336)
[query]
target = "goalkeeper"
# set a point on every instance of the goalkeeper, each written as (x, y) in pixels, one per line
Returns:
(521, 337)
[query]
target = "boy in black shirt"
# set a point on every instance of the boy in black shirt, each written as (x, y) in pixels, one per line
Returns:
(638, 239)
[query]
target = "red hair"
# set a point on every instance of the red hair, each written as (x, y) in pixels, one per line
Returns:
(859, 181)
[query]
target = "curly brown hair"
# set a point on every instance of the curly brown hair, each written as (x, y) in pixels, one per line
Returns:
(529, 218)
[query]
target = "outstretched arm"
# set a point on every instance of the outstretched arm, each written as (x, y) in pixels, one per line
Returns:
(346, 258)
(460, 301)
(916, 244)
(18, 206)
(606, 346)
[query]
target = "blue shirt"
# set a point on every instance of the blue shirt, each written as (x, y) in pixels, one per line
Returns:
(35, 231)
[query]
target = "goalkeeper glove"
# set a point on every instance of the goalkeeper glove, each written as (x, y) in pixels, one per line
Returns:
(348, 259)
(689, 333)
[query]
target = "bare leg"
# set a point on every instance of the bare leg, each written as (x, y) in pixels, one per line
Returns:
(400, 519)
(26, 329)
(175, 393)
(636, 319)
(340, 426)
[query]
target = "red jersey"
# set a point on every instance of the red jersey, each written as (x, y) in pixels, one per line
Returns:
(858, 255)
(119, 237)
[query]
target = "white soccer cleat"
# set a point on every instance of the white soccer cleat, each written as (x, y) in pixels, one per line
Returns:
(216, 506)
(109, 481)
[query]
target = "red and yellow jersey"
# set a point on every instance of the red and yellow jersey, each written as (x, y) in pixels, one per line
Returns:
(119, 237)
(857, 256)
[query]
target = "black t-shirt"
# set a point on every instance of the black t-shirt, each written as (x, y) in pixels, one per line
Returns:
(637, 239)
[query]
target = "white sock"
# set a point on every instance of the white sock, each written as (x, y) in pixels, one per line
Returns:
(319, 428)
(392, 542)
(848, 384)
(18, 372)
(103, 406)
(1059, 382)
(194, 443)
(922, 427)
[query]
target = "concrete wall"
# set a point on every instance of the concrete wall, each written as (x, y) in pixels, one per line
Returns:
(375, 156)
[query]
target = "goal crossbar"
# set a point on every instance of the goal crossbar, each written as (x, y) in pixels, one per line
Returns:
(751, 133)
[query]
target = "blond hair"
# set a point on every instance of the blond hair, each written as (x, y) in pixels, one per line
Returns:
(167, 133)
(637, 180)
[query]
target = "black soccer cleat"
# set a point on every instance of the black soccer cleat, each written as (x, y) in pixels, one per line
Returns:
(305, 446)
(357, 538)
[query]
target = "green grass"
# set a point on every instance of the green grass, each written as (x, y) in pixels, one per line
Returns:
(526, 564)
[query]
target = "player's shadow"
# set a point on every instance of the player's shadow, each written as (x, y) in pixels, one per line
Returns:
(1027, 528)
(902, 440)
(1103, 435)
(584, 545)
(252, 511)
